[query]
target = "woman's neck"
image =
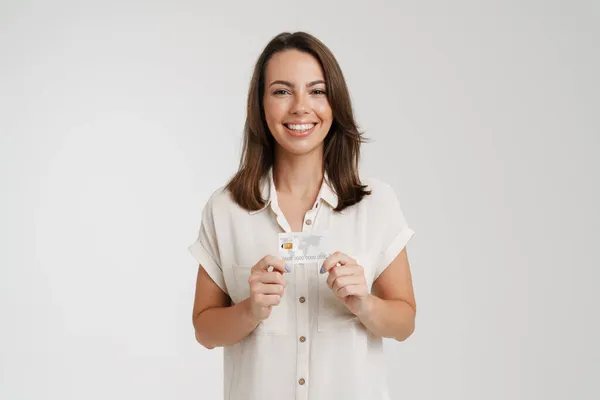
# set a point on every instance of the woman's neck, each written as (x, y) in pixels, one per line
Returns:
(299, 176)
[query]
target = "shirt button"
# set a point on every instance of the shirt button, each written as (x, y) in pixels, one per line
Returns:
(308, 222)
(302, 339)
(302, 299)
(302, 381)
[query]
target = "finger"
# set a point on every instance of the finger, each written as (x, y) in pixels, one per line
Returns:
(350, 290)
(345, 281)
(264, 288)
(267, 300)
(269, 278)
(334, 259)
(339, 271)
(271, 261)
(272, 277)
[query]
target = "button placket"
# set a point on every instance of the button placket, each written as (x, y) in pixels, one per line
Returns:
(302, 325)
(302, 316)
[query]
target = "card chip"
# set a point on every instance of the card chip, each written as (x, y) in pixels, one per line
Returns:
(288, 246)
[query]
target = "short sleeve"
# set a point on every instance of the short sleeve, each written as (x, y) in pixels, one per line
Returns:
(396, 233)
(205, 249)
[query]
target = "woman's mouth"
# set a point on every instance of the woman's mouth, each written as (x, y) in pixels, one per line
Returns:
(300, 130)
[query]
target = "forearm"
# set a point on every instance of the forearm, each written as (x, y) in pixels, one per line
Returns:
(388, 318)
(221, 326)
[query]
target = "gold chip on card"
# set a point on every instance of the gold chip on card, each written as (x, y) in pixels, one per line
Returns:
(288, 245)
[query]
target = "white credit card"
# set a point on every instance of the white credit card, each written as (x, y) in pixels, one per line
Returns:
(303, 247)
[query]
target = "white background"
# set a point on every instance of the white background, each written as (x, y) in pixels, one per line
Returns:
(119, 118)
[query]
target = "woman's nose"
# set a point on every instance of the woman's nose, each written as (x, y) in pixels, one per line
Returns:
(300, 104)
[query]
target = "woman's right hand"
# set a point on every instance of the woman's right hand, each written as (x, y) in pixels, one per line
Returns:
(266, 287)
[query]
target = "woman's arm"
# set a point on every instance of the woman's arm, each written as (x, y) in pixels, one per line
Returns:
(390, 309)
(216, 321)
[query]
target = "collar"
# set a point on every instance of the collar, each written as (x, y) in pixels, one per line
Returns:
(269, 194)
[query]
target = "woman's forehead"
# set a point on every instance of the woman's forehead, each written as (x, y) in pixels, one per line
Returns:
(293, 66)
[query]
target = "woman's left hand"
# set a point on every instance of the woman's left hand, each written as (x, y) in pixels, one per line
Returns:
(347, 281)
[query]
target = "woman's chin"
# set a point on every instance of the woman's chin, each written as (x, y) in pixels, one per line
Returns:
(299, 149)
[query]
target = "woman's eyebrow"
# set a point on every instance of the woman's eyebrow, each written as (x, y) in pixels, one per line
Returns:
(290, 84)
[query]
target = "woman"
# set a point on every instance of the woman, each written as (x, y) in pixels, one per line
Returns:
(313, 330)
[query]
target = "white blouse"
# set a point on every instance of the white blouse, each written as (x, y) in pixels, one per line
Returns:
(311, 346)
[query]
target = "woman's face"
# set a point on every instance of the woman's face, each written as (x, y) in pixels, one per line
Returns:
(295, 101)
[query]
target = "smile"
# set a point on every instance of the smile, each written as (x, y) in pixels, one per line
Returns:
(299, 130)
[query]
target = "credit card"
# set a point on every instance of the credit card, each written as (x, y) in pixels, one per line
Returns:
(303, 247)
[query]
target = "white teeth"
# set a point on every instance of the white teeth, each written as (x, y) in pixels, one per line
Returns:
(303, 127)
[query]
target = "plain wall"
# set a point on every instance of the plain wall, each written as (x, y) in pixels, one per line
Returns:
(119, 118)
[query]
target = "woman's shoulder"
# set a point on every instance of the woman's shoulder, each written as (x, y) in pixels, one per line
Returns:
(384, 204)
(380, 189)
(219, 199)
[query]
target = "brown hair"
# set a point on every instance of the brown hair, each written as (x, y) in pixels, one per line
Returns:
(341, 145)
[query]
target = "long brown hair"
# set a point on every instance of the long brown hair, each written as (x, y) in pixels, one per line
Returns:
(341, 145)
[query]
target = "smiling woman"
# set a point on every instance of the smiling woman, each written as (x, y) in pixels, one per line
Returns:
(298, 81)
(310, 330)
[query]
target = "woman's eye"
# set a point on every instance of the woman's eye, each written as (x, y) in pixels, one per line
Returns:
(279, 92)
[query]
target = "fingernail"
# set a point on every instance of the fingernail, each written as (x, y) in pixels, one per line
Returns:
(322, 270)
(287, 268)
